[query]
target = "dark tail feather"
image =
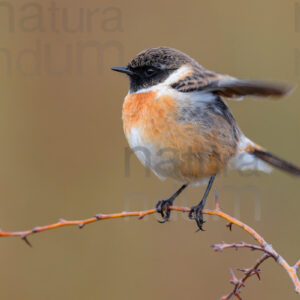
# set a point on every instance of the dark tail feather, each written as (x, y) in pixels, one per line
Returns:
(276, 161)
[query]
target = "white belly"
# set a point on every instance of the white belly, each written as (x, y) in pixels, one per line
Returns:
(147, 153)
(162, 162)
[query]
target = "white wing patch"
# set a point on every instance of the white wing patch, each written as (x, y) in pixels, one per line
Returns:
(246, 161)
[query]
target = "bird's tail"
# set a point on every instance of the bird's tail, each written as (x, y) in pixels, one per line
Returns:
(254, 157)
(276, 161)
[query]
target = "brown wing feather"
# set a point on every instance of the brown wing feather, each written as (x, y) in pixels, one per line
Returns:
(224, 85)
(234, 88)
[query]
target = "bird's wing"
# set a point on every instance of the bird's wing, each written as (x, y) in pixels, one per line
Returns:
(231, 87)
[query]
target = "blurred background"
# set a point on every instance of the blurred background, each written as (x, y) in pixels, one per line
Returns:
(62, 151)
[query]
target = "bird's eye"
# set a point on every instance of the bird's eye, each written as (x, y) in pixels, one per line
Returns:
(149, 71)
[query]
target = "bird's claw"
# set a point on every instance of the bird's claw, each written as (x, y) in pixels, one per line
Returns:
(162, 207)
(196, 214)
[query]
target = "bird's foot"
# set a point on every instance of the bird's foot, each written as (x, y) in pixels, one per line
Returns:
(162, 207)
(196, 214)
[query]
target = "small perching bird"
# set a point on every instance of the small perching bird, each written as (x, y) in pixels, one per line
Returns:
(178, 125)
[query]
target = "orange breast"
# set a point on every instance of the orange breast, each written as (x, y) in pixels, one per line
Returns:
(192, 151)
(147, 111)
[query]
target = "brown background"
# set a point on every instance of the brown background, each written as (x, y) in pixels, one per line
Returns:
(62, 153)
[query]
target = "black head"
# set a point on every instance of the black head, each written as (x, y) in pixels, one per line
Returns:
(153, 66)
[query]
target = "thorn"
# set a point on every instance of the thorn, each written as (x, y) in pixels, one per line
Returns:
(257, 273)
(35, 230)
(216, 193)
(297, 264)
(217, 199)
(80, 226)
(141, 217)
(61, 220)
(229, 225)
(25, 239)
(243, 244)
(234, 279)
(253, 272)
(98, 216)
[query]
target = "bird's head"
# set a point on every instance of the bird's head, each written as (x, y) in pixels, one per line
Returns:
(153, 66)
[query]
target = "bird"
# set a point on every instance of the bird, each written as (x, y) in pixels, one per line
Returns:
(178, 124)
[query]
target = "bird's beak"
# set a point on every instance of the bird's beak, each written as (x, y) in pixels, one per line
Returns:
(122, 70)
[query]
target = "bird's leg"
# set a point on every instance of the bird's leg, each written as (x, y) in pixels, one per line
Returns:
(162, 206)
(195, 212)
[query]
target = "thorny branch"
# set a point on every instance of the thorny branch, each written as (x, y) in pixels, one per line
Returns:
(263, 246)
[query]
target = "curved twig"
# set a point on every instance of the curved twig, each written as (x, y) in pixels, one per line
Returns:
(263, 245)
